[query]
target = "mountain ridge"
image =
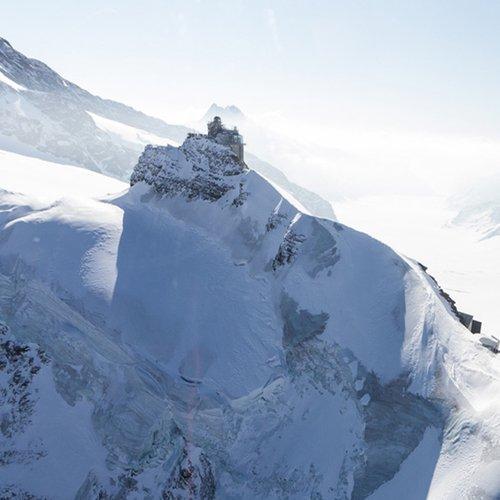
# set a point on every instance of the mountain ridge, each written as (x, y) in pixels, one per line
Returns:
(43, 114)
(203, 332)
(201, 336)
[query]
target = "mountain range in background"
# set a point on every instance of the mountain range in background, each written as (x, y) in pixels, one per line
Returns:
(478, 207)
(45, 115)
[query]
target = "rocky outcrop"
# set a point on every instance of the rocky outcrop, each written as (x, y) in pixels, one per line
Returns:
(192, 477)
(288, 249)
(199, 169)
(19, 365)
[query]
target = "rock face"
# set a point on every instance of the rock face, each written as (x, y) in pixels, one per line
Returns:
(192, 477)
(199, 169)
(19, 366)
(206, 339)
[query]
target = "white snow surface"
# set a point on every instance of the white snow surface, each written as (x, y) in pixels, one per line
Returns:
(44, 180)
(128, 133)
(464, 260)
(5, 79)
(199, 317)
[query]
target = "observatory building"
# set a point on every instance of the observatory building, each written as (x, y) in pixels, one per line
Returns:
(226, 137)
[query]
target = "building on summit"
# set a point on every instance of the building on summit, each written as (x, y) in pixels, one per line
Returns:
(226, 137)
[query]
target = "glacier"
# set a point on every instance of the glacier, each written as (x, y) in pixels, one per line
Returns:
(197, 335)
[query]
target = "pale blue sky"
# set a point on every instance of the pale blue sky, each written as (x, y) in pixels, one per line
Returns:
(426, 66)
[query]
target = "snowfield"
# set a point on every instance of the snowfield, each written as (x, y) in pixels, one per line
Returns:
(459, 254)
(44, 180)
(129, 134)
(198, 336)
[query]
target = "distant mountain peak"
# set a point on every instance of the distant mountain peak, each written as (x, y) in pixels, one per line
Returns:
(230, 113)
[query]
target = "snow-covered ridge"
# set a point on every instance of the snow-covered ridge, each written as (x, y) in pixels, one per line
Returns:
(52, 118)
(5, 79)
(209, 340)
(268, 146)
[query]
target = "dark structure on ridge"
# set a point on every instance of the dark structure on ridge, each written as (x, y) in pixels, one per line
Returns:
(469, 322)
(226, 137)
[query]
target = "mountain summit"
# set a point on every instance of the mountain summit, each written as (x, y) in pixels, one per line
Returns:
(46, 116)
(198, 336)
(230, 114)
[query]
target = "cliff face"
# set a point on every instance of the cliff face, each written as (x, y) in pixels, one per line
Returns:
(199, 169)
(208, 339)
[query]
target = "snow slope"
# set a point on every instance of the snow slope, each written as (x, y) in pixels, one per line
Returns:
(48, 181)
(52, 118)
(458, 254)
(227, 345)
(130, 134)
(5, 79)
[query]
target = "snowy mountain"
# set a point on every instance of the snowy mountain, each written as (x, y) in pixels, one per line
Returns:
(479, 207)
(306, 163)
(229, 114)
(259, 140)
(198, 336)
(46, 116)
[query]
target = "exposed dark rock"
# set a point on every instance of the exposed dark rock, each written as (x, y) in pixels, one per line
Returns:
(275, 220)
(288, 249)
(192, 477)
(199, 169)
(19, 364)
(396, 420)
(300, 325)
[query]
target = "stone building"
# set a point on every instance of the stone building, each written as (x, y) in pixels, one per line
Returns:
(226, 137)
